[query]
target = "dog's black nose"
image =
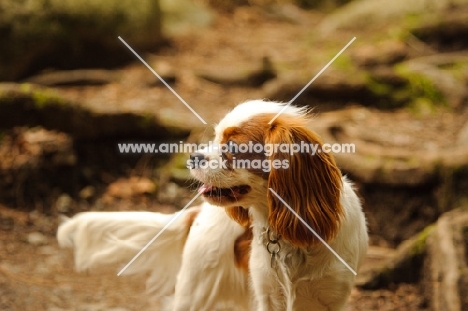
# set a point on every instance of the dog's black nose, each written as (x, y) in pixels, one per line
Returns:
(195, 159)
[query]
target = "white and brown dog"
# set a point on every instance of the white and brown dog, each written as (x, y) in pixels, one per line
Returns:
(264, 249)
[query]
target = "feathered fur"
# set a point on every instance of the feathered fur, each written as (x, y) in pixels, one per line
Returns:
(191, 265)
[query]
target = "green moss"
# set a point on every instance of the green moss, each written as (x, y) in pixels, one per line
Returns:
(370, 158)
(419, 245)
(402, 95)
(44, 98)
(412, 20)
(420, 85)
(422, 106)
(41, 97)
(343, 63)
(457, 70)
(25, 88)
(387, 96)
(423, 94)
(147, 120)
(380, 173)
(378, 88)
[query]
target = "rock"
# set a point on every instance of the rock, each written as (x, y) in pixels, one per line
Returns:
(284, 12)
(447, 32)
(38, 142)
(87, 192)
(402, 266)
(370, 13)
(387, 76)
(383, 53)
(37, 239)
(238, 76)
(445, 270)
(388, 81)
(428, 78)
(25, 104)
(39, 164)
(376, 164)
(83, 33)
(75, 77)
(376, 257)
(183, 16)
(64, 204)
(35, 162)
(435, 258)
(331, 91)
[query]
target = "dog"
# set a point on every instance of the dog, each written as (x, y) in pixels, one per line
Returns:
(280, 228)
(290, 266)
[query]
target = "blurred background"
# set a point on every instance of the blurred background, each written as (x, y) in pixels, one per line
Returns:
(70, 92)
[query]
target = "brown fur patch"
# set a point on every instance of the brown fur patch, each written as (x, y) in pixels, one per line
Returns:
(239, 215)
(248, 132)
(242, 250)
(311, 186)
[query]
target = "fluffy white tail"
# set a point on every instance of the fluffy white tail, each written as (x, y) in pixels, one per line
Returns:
(104, 238)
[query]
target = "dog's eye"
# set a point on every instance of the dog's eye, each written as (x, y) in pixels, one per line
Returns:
(232, 147)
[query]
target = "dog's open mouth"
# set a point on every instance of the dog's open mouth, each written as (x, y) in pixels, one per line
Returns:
(231, 193)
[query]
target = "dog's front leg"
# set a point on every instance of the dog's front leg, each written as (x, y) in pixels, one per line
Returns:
(266, 287)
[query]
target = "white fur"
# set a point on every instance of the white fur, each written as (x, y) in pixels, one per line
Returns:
(248, 109)
(208, 275)
(199, 258)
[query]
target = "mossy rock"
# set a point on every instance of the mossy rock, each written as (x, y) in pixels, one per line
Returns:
(445, 32)
(68, 34)
(432, 84)
(403, 266)
(445, 272)
(30, 105)
(370, 13)
(335, 90)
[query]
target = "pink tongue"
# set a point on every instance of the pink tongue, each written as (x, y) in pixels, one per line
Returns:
(205, 188)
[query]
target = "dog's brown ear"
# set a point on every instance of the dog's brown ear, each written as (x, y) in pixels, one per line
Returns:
(310, 185)
(239, 215)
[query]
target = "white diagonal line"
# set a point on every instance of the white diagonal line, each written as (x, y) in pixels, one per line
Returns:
(311, 81)
(157, 235)
(315, 233)
(162, 80)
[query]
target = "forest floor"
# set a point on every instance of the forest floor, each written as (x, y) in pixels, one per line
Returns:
(36, 275)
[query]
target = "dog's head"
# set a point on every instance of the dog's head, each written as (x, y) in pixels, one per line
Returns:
(249, 156)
